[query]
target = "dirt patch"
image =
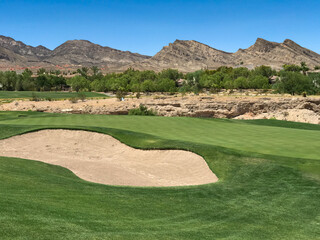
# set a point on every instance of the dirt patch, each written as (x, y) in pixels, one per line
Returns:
(295, 115)
(102, 159)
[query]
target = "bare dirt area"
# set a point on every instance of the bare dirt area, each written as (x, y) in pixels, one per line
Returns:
(288, 108)
(102, 159)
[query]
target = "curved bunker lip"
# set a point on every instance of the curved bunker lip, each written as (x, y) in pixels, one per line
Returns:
(100, 158)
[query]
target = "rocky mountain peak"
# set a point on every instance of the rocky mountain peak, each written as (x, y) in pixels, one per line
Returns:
(262, 45)
(291, 44)
(20, 48)
(185, 55)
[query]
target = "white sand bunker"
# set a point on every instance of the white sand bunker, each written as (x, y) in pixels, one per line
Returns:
(100, 158)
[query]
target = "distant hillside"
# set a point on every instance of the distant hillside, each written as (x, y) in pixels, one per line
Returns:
(184, 55)
(82, 52)
(275, 54)
(191, 55)
(72, 53)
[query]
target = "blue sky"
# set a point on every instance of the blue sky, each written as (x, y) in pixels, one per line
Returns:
(145, 26)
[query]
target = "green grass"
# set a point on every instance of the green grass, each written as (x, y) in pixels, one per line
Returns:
(44, 95)
(269, 183)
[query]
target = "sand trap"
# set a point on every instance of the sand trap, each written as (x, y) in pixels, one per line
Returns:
(100, 158)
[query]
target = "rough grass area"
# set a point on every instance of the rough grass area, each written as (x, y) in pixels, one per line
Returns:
(46, 95)
(269, 183)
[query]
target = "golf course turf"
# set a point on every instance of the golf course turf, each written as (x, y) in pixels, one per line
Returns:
(268, 188)
(44, 95)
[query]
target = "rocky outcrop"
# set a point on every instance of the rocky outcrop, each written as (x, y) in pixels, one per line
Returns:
(291, 109)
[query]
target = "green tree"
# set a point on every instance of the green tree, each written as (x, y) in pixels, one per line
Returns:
(241, 83)
(41, 71)
(79, 83)
(258, 82)
(148, 86)
(304, 68)
(240, 72)
(98, 85)
(145, 75)
(264, 71)
(214, 81)
(28, 82)
(294, 83)
(9, 80)
(291, 68)
(42, 83)
(83, 72)
(165, 85)
(172, 74)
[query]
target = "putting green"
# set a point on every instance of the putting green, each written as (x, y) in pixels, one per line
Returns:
(269, 183)
(287, 142)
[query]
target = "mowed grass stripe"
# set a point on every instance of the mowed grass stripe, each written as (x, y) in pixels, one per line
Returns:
(44, 95)
(288, 142)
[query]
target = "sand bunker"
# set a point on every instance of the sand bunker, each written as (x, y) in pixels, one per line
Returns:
(100, 158)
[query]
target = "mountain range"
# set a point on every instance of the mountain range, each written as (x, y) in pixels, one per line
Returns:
(184, 55)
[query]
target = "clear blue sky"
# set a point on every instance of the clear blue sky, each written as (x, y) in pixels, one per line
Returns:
(145, 26)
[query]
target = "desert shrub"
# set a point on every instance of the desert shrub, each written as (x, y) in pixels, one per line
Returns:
(74, 100)
(34, 97)
(48, 99)
(81, 96)
(142, 110)
(138, 95)
(120, 94)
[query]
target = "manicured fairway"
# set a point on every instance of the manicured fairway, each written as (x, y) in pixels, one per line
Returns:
(269, 183)
(44, 95)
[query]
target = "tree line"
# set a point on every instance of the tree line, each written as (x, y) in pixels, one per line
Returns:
(293, 79)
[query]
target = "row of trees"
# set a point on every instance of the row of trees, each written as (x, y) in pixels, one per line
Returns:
(11, 81)
(292, 79)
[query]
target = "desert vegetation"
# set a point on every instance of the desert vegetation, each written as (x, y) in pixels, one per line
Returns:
(292, 79)
(142, 110)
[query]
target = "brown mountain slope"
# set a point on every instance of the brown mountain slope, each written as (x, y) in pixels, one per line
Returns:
(186, 56)
(9, 59)
(275, 54)
(22, 54)
(183, 55)
(76, 52)
(82, 52)
(191, 55)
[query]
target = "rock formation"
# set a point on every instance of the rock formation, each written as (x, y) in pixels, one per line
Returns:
(292, 109)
